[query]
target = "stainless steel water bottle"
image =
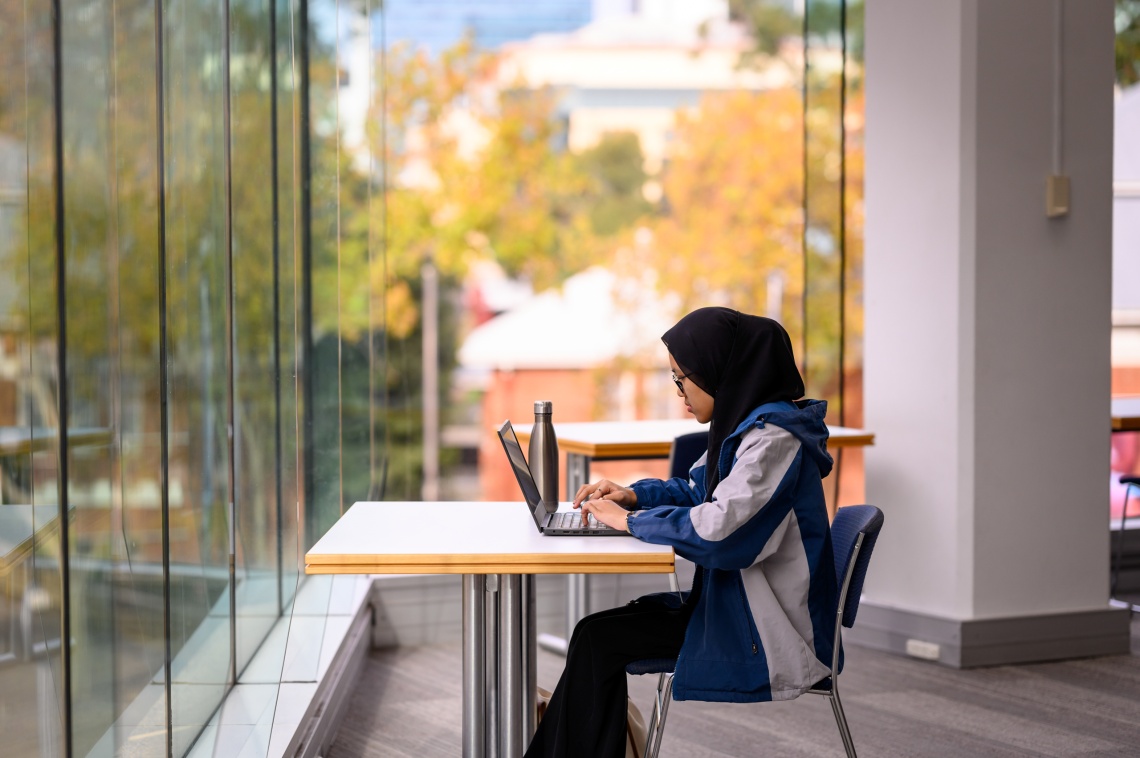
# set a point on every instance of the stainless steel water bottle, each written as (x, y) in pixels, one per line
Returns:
(543, 452)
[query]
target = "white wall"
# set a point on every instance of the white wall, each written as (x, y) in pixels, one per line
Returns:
(987, 324)
(911, 356)
(1043, 313)
(1126, 207)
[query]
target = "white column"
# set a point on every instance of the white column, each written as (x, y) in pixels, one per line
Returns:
(987, 331)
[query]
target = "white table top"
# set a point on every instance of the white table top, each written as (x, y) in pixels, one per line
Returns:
(1125, 414)
(469, 538)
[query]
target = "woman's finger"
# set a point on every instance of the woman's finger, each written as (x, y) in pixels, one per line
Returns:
(583, 493)
(593, 490)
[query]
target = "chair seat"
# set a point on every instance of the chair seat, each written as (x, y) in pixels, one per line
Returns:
(822, 687)
(652, 666)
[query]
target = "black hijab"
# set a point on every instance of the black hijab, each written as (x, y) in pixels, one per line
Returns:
(742, 361)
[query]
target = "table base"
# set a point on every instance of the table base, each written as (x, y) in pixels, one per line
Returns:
(577, 585)
(499, 654)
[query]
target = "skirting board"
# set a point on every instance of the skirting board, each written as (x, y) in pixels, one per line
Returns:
(991, 642)
(317, 731)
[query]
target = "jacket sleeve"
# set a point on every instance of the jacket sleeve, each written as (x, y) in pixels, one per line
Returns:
(676, 491)
(731, 530)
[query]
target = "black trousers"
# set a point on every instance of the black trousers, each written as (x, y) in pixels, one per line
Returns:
(586, 717)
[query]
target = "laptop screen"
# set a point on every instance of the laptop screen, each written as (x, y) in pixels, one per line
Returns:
(522, 472)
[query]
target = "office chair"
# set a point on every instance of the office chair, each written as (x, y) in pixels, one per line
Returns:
(682, 455)
(1118, 554)
(685, 451)
(853, 535)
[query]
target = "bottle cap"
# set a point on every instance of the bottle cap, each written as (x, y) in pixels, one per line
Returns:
(543, 406)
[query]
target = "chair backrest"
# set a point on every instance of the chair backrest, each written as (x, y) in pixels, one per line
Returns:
(687, 448)
(849, 523)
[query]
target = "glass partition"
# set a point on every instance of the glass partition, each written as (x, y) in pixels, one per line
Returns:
(287, 214)
(833, 232)
(706, 154)
(198, 391)
(230, 241)
(115, 578)
(160, 172)
(34, 717)
(255, 313)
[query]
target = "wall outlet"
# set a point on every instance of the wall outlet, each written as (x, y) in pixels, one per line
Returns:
(1056, 196)
(928, 651)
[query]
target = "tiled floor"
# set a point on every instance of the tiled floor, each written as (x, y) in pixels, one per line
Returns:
(262, 713)
(408, 704)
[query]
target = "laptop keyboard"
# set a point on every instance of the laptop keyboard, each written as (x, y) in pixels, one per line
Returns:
(574, 521)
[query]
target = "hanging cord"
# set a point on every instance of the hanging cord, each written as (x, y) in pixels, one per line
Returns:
(1058, 85)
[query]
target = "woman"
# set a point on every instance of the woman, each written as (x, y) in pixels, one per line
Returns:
(759, 620)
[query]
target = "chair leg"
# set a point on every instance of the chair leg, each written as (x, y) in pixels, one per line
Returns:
(841, 722)
(654, 719)
(660, 711)
(1119, 552)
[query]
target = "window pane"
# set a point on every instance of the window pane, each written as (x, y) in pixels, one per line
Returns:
(823, 202)
(199, 525)
(257, 407)
(287, 264)
(116, 578)
(31, 670)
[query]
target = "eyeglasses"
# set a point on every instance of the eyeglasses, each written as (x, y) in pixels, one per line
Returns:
(677, 380)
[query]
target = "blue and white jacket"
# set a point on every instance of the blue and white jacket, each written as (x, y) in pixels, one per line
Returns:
(764, 622)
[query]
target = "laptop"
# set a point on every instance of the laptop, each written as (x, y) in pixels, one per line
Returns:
(549, 520)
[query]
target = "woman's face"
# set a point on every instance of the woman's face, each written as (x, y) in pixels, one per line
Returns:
(697, 401)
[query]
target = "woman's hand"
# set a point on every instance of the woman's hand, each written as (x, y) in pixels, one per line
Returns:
(608, 512)
(623, 496)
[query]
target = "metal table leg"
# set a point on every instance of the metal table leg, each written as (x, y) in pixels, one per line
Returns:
(474, 660)
(516, 664)
(511, 715)
(577, 585)
(530, 658)
(492, 669)
(577, 473)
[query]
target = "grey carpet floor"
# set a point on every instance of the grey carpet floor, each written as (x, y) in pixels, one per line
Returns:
(407, 703)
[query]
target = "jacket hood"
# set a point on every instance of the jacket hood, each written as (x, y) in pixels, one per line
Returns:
(804, 419)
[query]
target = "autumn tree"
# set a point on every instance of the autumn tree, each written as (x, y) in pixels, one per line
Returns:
(475, 168)
(733, 201)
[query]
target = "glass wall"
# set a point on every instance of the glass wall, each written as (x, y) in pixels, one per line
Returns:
(833, 220)
(230, 232)
(182, 411)
(707, 153)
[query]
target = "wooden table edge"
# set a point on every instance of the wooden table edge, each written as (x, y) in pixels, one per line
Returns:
(489, 568)
(626, 450)
(1126, 424)
(499, 559)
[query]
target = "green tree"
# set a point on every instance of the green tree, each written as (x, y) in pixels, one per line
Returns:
(616, 165)
(1127, 42)
(476, 169)
(770, 22)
